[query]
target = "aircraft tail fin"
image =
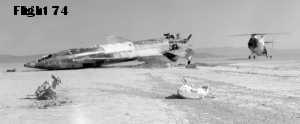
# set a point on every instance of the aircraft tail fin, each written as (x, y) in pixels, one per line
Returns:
(189, 37)
(186, 39)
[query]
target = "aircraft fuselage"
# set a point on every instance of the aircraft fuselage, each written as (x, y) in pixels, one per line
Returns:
(256, 46)
(107, 54)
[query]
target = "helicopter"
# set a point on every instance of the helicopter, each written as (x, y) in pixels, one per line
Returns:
(257, 44)
(117, 51)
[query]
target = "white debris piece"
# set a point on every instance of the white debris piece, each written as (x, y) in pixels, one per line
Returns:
(187, 91)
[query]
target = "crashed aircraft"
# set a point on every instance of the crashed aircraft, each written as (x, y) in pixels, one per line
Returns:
(121, 51)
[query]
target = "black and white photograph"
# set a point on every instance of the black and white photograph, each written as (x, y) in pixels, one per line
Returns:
(149, 62)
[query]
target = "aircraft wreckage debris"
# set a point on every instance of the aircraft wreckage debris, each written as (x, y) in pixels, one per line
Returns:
(172, 47)
(46, 90)
(11, 70)
(46, 95)
(188, 91)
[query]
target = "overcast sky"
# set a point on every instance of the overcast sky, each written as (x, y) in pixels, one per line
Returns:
(90, 21)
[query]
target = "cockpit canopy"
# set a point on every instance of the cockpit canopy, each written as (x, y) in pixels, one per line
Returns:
(45, 57)
(70, 52)
(77, 51)
(252, 43)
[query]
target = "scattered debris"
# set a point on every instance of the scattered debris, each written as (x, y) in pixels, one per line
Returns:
(46, 90)
(11, 70)
(46, 96)
(188, 91)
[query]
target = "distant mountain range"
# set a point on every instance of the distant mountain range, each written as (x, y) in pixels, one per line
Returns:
(199, 53)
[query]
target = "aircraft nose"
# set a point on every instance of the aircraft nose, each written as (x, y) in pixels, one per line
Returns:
(30, 64)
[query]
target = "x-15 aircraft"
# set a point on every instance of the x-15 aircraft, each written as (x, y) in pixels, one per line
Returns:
(121, 51)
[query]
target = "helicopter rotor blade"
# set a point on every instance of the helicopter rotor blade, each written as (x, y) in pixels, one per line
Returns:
(248, 34)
